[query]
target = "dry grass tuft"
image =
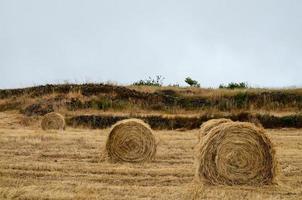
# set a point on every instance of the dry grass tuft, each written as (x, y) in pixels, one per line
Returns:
(53, 121)
(236, 153)
(131, 140)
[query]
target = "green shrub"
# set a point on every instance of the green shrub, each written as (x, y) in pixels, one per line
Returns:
(241, 99)
(191, 82)
(233, 85)
(120, 104)
(101, 103)
(158, 81)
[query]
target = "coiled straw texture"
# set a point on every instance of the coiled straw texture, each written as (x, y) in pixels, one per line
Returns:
(236, 153)
(208, 125)
(131, 140)
(53, 121)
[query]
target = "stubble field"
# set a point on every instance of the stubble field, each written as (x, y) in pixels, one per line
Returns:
(35, 164)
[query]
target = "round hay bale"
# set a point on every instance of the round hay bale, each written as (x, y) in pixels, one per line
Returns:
(53, 121)
(208, 125)
(236, 153)
(131, 140)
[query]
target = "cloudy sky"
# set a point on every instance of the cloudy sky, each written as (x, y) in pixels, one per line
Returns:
(213, 41)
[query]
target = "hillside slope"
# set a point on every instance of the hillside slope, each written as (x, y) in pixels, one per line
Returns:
(100, 105)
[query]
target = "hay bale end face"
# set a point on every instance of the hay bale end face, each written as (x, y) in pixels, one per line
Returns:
(236, 153)
(131, 140)
(53, 121)
(207, 126)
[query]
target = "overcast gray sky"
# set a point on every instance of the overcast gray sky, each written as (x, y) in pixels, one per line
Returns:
(214, 41)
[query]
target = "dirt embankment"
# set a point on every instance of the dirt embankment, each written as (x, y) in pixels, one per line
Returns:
(185, 123)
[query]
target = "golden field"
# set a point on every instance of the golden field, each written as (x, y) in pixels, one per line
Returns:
(68, 165)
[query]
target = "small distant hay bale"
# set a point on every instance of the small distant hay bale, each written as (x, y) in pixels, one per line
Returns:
(236, 153)
(131, 140)
(53, 121)
(208, 125)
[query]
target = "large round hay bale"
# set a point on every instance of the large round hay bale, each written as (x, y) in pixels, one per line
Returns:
(236, 153)
(131, 140)
(53, 121)
(208, 125)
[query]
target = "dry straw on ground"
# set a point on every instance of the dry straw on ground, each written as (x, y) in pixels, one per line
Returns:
(236, 153)
(131, 140)
(207, 126)
(53, 121)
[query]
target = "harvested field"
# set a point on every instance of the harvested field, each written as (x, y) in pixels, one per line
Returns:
(51, 165)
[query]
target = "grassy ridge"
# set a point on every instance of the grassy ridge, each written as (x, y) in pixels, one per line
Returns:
(165, 99)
